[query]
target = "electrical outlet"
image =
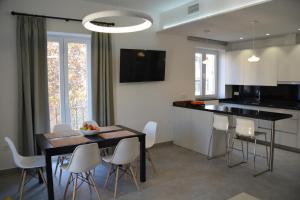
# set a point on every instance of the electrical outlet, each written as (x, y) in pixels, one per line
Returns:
(236, 93)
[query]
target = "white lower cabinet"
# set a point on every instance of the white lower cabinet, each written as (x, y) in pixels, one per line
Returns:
(287, 131)
(192, 130)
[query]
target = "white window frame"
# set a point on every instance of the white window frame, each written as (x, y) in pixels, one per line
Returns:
(63, 39)
(203, 70)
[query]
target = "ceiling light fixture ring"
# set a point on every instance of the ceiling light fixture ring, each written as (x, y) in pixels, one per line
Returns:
(147, 21)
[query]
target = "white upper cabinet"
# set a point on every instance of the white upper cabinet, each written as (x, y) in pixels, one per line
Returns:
(239, 71)
(234, 68)
(289, 63)
(263, 72)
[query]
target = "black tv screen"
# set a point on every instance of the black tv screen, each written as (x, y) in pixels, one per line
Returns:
(142, 65)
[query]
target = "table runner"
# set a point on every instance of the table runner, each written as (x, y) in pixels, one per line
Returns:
(61, 134)
(68, 141)
(116, 134)
(109, 129)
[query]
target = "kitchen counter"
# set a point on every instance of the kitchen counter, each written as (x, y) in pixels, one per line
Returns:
(291, 105)
(222, 109)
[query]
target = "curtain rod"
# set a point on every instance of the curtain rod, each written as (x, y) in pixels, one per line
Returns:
(58, 18)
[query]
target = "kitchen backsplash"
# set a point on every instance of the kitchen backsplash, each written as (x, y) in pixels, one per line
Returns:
(279, 92)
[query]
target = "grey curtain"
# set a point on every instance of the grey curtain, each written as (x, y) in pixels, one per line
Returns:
(32, 81)
(102, 79)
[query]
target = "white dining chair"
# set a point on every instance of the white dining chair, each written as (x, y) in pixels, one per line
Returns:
(246, 128)
(26, 163)
(65, 129)
(84, 159)
(125, 153)
(150, 130)
(220, 125)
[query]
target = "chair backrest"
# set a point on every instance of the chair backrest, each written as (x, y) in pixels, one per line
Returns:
(92, 122)
(245, 127)
(17, 157)
(84, 158)
(126, 151)
(150, 131)
(221, 122)
(62, 127)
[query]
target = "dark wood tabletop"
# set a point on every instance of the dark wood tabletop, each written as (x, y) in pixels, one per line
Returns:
(50, 147)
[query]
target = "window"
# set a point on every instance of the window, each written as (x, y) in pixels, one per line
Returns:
(68, 58)
(206, 73)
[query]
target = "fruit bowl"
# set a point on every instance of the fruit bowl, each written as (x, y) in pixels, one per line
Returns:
(88, 132)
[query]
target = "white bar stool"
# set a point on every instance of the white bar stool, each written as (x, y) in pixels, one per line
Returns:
(220, 125)
(246, 128)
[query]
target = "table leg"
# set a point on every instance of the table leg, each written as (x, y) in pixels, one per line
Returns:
(272, 142)
(142, 159)
(39, 152)
(49, 177)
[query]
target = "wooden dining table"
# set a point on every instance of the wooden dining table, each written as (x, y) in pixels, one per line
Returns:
(54, 144)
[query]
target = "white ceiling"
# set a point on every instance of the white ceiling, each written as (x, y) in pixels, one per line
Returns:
(276, 17)
(153, 6)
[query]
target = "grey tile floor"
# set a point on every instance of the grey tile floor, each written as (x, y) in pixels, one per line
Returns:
(182, 175)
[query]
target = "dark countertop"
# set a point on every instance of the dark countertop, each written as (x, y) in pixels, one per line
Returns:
(256, 114)
(291, 105)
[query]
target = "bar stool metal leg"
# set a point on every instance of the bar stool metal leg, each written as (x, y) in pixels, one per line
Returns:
(242, 143)
(267, 152)
(254, 152)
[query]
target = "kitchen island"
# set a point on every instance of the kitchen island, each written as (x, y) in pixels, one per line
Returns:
(195, 121)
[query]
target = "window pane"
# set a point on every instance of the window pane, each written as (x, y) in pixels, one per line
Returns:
(198, 74)
(210, 66)
(54, 82)
(77, 83)
(198, 88)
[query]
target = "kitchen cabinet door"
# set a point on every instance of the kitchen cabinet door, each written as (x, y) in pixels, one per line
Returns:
(234, 68)
(289, 63)
(263, 72)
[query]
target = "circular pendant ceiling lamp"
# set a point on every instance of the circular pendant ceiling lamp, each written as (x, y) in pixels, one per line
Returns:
(147, 21)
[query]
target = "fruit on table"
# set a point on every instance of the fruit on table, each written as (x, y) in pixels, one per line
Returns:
(89, 127)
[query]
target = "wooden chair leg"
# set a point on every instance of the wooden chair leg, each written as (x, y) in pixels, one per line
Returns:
(75, 187)
(134, 178)
(116, 182)
(22, 184)
(87, 175)
(151, 161)
(136, 167)
(108, 175)
(42, 175)
(95, 187)
(21, 179)
(67, 186)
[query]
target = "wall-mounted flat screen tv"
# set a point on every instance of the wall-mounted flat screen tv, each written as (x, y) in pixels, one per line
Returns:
(142, 65)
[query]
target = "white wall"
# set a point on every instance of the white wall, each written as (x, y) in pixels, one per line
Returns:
(135, 103)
